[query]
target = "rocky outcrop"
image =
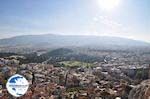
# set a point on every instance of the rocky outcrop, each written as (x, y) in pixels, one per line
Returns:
(141, 91)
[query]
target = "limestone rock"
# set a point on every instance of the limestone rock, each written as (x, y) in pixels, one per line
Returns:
(141, 91)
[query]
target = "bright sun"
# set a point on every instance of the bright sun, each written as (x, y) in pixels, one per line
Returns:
(108, 4)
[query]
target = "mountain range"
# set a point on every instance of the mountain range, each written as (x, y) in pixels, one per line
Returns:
(51, 40)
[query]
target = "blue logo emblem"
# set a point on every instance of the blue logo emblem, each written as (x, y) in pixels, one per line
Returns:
(17, 85)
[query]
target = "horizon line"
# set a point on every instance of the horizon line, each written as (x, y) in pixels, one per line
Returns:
(93, 35)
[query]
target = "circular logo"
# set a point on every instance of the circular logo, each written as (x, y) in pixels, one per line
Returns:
(17, 85)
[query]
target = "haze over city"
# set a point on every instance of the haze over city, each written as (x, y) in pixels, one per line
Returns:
(121, 18)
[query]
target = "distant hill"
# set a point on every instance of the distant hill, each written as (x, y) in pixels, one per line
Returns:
(49, 40)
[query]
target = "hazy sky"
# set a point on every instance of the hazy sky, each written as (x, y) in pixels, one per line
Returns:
(123, 18)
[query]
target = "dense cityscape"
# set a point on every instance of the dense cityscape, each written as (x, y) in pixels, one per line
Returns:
(118, 75)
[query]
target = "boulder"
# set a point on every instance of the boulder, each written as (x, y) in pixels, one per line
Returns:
(141, 91)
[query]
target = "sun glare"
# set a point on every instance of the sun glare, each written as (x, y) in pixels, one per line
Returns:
(108, 4)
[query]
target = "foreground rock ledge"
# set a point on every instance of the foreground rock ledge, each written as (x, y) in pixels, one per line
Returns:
(142, 91)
